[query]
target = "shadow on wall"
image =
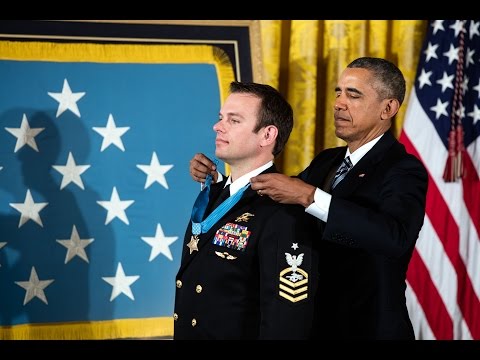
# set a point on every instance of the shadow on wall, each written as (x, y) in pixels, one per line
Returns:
(44, 226)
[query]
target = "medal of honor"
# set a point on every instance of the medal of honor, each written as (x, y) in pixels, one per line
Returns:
(201, 227)
(193, 243)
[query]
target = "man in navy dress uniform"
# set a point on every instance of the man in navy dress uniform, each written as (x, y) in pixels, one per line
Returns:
(248, 269)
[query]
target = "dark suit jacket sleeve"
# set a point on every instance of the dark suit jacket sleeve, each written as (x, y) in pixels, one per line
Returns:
(286, 305)
(384, 217)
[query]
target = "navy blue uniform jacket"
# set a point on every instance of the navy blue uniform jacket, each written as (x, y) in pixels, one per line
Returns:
(254, 276)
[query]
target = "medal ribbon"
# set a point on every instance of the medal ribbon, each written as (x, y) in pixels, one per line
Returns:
(201, 227)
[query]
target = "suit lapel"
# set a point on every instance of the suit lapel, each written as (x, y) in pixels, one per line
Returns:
(366, 166)
(215, 190)
(332, 166)
(320, 172)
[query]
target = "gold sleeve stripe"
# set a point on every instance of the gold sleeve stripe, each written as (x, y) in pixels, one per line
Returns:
(292, 291)
(293, 299)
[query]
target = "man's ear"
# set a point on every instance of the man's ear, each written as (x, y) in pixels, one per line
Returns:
(270, 134)
(390, 109)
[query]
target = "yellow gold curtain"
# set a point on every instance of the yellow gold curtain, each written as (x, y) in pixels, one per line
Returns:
(303, 59)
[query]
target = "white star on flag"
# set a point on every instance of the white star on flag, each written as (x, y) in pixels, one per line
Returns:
(121, 283)
(155, 172)
(75, 246)
(477, 88)
(111, 134)
(67, 100)
(116, 207)
(446, 81)
(34, 287)
(474, 29)
(475, 114)
(25, 134)
(2, 244)
(440, 108)
(431, 51)
(452, 54)
(71, 172)
(458, 27)
(160, 244)
(437, 25)
(424, 79)
(29, 210)
(294, 246)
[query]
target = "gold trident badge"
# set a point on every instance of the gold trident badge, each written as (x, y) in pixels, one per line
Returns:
(244, 217)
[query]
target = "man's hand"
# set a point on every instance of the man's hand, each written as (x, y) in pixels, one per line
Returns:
(201, 166)
(284, 189)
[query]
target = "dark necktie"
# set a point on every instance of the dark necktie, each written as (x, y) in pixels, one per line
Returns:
(342, 171)
(224, 195)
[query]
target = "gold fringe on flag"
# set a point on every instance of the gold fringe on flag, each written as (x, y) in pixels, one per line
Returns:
(95, 330)
(123, 53)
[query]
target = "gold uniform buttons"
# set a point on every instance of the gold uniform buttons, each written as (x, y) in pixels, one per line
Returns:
(175, 316)
(198, 289)
(194, 322)
(179, 284)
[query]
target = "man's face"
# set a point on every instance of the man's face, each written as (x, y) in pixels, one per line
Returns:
(358, 107)
(236, 142)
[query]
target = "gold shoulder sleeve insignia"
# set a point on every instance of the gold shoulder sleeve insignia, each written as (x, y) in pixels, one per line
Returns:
(293, 284)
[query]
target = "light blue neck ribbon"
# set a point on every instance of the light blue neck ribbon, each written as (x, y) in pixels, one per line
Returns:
(200, 205)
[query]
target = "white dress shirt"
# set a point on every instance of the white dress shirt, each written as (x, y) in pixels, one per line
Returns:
(242, 180)
(245, 179)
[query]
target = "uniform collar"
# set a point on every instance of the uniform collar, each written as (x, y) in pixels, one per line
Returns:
(245, 179)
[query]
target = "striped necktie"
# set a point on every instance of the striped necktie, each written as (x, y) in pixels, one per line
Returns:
(342, 171)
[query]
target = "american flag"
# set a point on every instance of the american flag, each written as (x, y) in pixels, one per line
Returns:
(442, 126)
(95, 193)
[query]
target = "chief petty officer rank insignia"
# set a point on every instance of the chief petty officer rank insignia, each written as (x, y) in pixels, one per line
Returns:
(293, 280)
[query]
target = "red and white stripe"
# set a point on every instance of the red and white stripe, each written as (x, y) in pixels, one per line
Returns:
(443, 279)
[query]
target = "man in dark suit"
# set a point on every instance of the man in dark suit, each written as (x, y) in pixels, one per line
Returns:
(368, 199)
(248, 270)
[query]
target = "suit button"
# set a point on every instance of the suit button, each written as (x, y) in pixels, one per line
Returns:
(179, 284)
(175, 316)
(198, 289)
(194, 322)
